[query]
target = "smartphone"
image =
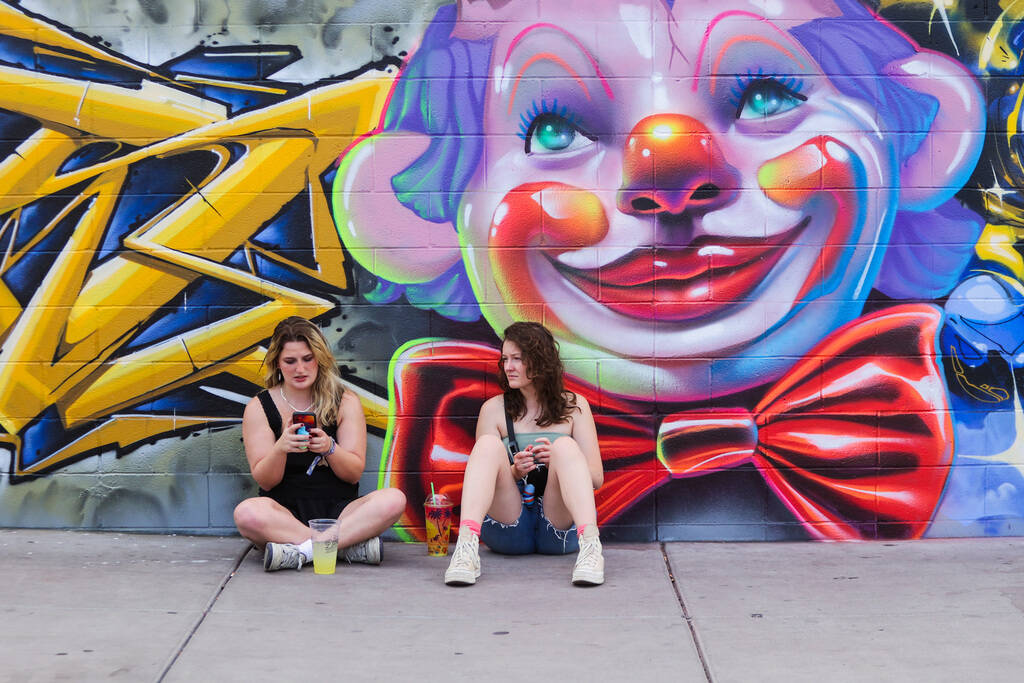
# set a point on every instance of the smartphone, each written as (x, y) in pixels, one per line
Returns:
(308, 419)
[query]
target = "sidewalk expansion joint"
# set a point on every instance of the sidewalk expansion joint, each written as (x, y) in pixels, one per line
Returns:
(202, 617)
(686, 614)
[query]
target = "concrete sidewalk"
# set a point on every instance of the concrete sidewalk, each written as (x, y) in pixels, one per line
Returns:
(84, 606)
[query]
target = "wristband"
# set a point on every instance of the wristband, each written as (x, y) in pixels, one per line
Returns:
(321, 458)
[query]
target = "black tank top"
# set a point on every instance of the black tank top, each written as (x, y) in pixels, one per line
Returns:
(321, 483)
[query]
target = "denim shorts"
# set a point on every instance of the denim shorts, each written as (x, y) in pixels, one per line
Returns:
(531, 533)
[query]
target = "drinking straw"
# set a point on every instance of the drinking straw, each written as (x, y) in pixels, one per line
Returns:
(433, 496)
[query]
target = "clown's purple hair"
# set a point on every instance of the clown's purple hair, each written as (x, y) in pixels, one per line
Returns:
(440, 94)
(926, 253)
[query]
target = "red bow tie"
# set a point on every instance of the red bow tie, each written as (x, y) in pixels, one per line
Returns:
(854, 440)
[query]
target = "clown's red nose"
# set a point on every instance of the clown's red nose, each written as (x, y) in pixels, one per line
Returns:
(672, 164)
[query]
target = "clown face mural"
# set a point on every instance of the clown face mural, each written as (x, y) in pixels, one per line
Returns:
(693, 185)
(703, 201)
(724, 201)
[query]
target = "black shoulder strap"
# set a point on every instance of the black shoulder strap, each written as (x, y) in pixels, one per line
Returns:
(513, 447)
(271, 411)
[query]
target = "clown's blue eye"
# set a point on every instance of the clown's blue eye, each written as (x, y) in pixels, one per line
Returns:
(551, 130)
(762, 97)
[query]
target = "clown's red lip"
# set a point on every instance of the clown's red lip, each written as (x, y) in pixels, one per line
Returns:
(683, 283)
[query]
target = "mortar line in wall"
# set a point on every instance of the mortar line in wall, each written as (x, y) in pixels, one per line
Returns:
(686, 615)
(202, 617)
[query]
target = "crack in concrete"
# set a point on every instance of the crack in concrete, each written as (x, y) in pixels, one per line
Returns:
(202, 617)
(686, 615)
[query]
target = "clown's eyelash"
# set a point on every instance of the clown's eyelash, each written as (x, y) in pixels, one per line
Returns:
(544, 107)
(791, 83)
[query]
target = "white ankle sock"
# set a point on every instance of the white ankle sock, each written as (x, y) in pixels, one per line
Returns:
(306, 548)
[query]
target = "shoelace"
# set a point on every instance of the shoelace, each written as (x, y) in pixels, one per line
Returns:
(588, 556)
(355, 553)
(297, 554)
(463, 556)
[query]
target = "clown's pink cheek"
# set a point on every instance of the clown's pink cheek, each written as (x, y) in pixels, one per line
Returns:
(545, 219)
(824, 168)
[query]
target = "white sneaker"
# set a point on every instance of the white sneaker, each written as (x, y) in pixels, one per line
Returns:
(464, 568)
(366, 552)
(282, 556)
(589, 569)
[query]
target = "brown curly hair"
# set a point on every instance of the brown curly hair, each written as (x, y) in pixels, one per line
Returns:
(328, 387)
(544, 368)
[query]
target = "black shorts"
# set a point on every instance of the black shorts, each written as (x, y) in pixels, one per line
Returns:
(317, 495)
(305, 509)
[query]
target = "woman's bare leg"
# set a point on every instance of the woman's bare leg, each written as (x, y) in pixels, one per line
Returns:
(569, 495)
(568, 499)
(488, 486)
(369, 516)
(263, 520)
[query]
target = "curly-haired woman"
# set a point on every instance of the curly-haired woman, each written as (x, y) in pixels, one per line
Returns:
(557, 456)
(313, 475)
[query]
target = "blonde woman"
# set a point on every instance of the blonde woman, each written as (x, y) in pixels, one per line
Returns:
(311, 475)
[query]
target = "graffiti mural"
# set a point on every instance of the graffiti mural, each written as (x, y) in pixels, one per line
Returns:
(157, 223)
(779, 249)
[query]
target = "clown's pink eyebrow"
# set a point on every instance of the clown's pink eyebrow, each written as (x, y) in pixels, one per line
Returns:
(749, 39)
(711, 27)
(576, 41)
(537, 58)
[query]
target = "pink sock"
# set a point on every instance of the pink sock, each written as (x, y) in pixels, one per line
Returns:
(579, 530)
(471, 525)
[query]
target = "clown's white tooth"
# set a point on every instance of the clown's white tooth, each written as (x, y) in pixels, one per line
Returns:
(591, 258)
(715, 250)
(584, 259)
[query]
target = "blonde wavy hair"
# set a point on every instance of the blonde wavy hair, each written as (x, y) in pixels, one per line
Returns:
(328, 387)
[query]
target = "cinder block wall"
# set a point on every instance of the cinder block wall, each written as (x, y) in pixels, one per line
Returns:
(778, 247)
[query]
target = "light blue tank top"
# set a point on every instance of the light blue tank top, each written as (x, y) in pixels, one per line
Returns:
(528, 438)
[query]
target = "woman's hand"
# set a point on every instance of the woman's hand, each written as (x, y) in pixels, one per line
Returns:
(319, 441)
(540, 451)
(522, 463)
(293, 442)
